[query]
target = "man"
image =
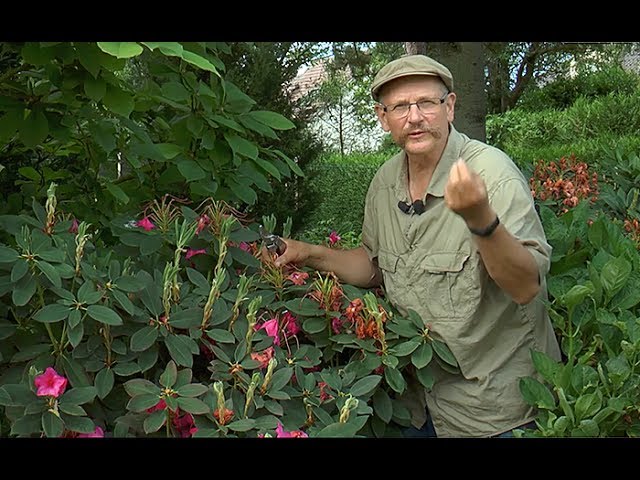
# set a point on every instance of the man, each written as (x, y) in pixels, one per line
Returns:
(450, 230)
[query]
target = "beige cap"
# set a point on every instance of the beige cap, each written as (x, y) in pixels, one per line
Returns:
(410, 65)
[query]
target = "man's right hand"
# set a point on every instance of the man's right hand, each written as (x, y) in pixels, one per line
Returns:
(296, 252)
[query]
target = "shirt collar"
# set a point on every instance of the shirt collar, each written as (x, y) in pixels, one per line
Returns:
(440, 176)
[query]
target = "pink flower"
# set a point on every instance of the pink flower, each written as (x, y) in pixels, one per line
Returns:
(74, 226)
(97, 433)
(184, 425)
(282, 433)
(290, 323)
(245, 247)
(336, 325)
(146, 224)
(191, 252)
(298, 278)
(334, 238)
(50, 384)
(203, 221)
(271, 327)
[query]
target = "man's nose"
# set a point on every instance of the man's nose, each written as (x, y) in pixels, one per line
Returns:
(415, 115)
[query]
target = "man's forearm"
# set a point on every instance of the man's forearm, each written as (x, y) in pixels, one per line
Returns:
(510, 265)
(350, 266)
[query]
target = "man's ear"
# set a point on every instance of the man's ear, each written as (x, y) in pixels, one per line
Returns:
(451, 107)
(382, 117)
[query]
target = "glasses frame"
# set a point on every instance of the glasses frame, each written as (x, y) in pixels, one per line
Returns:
(390, 108)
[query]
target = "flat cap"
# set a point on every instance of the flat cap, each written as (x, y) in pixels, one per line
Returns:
(410, 65)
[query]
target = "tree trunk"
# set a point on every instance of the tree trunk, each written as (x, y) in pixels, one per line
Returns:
(415, 48)
(466, 60)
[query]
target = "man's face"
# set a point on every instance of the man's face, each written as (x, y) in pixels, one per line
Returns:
(418, 131)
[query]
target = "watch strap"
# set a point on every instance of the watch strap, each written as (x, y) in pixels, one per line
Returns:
(485, 232)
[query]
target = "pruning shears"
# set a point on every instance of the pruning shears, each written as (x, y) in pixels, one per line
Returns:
(272, 242)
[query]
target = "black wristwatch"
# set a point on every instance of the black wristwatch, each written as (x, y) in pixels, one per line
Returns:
(485, 232)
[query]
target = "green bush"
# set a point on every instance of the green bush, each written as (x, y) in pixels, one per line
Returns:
(339, 186)
(563, 93)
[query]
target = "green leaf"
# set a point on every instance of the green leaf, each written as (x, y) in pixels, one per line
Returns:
(143, 338)
(118, 101)
(24, 290)
(75, 333)
(140, 386)
(95, 88)
(268, 167)
(175, 91)
(104, 382)
(27, 425)
(272, 119)
(117, 193)
(52, 425)
(121, 49)
(8, 255)
(168, 150)
(406, 348)
(104, 315)
(614, 275)
(394, 379)
(123, 301)
(545, 365)
(536, 394)
(280, 378)
(588, 405)
(193, 406)
(192, 390)
(52, 313)
(314, 325)
(16, 395)
(197, 279)
(50, 272)
(173, 49)
(129, 284)
(198, 61)
(443, 352)
(179, 349)
(189, 318)
(70, 409)
(365, 385)
(170, 375)
(425, 377)
(79, 424)
(242, 425)
(382, 405)
(340, 430)
(155, 421)
(140, 403)
(79, 395)
(190, 170)
(422, 355)
(241, 145)
(222, 336)
(19, 270)
(304, 307)
(34, 129)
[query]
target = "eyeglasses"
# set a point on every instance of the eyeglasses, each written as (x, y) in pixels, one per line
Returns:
(425, 106)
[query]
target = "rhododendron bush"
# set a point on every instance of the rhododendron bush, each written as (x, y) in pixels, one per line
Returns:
(181, 330)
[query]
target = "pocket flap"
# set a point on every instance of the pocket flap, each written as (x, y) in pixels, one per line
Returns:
(388, 261)
(443, 262)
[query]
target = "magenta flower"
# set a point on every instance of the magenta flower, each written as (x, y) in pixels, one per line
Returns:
(336, 325)
(282, 433)
(146, 224)
(191, 252)
(271, 327)
(334, 238)
(290, 322)
(245, 247)
(50, 384)
(97, 433)
(74, 226)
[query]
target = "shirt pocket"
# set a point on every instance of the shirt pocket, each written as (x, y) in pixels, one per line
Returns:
(394, 285)
(451, 291)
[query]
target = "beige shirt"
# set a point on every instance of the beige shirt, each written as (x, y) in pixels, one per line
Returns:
(430, 263)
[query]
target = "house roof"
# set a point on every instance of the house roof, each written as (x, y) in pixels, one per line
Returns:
(308, 80)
